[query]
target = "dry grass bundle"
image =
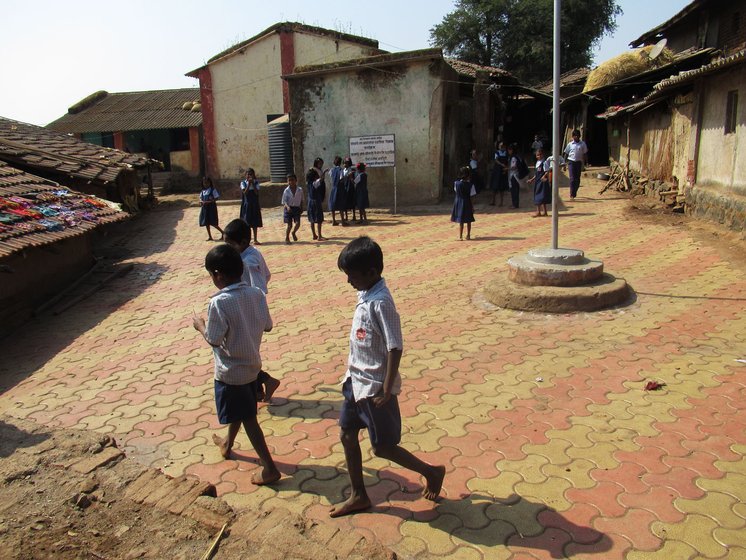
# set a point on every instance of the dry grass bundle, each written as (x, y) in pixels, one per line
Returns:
(625, 65)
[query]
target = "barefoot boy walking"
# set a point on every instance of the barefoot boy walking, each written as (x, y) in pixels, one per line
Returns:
(372, 381)
(236, 319)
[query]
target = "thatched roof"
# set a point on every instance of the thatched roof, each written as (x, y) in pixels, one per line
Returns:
(625, 65)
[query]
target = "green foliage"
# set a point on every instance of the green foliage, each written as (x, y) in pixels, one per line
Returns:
(517, 35)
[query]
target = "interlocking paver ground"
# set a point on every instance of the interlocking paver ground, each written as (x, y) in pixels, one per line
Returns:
(551, 445)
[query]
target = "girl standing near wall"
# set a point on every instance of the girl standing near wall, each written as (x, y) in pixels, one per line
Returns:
(251, 212)
(208, 214)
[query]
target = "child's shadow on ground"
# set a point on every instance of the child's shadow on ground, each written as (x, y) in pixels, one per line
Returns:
(478, 519)
(495, 238)
(300, 408)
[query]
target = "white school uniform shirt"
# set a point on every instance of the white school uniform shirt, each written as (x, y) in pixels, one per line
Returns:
(376, 330)
(237, 317)
(513, 169)
(292, 199)
(576, 150)
(255, 270)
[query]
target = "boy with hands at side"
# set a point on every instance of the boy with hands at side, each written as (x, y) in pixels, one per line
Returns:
(372, 381)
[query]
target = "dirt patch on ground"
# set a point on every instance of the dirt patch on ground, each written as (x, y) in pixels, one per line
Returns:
(72, 494)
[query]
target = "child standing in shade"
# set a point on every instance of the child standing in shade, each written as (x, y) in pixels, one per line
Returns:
(362, 201)
(337, 194)
(316, 194)
(292, 206)
(542, 184)
(499, 177)
(237, 317)
(372, 381)
(255, 273)
(348, 180)
(463, 207)
(208, 214)
(251, 212)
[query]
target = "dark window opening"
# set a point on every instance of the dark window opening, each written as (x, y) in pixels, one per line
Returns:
(736, 23)
(731, 112)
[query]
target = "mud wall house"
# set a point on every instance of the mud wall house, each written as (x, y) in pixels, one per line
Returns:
(45, 240)
(436, 108)
(62, 158)
(241, 90)
(164, 125)
(688, 131)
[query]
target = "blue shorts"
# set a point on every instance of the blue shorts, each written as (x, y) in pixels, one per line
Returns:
(292, 215)
(235, 403)
(383, 423)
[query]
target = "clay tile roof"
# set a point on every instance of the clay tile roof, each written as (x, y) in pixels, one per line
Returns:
(470, 69)
(577, 76)
(44, 150)
(135, 110)
(35, 211)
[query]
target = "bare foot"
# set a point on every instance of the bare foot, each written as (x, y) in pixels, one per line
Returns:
(287, 241)
(468, 237)
(295, 237)
(225, 451)
(352, 505)
(270, 388)
(256, 242)
(322, 238)
(315, 236)
(434, 483)
(266, 476)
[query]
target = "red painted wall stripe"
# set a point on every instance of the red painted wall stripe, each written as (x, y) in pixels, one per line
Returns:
(287, 65)
(208, 122)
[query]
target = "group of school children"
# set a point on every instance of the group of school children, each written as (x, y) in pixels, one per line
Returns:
(349, 193)
(507, 172)
(237, 317)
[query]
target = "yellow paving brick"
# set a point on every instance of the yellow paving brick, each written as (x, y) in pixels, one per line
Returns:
(438, 541)
(718, 506)
(696, 530)
(601, 455)
(670, 550)
(550, 492)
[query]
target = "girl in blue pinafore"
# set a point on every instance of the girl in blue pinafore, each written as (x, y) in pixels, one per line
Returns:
(542, 185)
(316, 194)
(208, 214)
(348, 180)
(251, 212)
(337, 194)
(463, 208)
(361, 192)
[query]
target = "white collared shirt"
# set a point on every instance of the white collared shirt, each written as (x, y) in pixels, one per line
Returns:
(576, 150)
(292, 200)
(376, 330)
(237, 317)
(255, 270)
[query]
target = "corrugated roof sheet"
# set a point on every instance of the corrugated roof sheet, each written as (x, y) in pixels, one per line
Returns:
(661, 88)
(136, 110)
(36, 212)
(651, 35)
(27, 145)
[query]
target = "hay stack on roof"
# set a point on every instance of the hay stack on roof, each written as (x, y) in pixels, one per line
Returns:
(625, 65)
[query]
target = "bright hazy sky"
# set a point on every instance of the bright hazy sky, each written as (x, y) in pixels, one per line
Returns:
(53, 53)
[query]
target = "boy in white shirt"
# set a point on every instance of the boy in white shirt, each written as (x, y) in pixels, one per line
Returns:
(292, 202)
(372, 381)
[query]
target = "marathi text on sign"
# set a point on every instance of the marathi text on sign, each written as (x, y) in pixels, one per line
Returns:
(374, 151)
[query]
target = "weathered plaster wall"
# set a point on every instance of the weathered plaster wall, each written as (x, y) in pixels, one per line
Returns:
(405, 99)
(721, 156)
(315, 49)
(246, 88)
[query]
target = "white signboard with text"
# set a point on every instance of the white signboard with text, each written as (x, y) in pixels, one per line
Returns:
(374, 151)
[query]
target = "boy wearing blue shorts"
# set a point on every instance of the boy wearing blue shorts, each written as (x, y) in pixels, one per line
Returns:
(372, 381)
(237, 317)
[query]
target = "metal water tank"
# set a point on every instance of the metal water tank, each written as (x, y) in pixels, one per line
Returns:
(280, 149)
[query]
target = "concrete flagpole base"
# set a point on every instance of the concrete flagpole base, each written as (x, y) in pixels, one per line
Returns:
(556, 281)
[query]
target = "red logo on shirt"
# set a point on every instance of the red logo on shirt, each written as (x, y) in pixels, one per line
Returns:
(360, 333)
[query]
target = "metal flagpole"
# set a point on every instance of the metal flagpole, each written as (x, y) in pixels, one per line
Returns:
(556, 126)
